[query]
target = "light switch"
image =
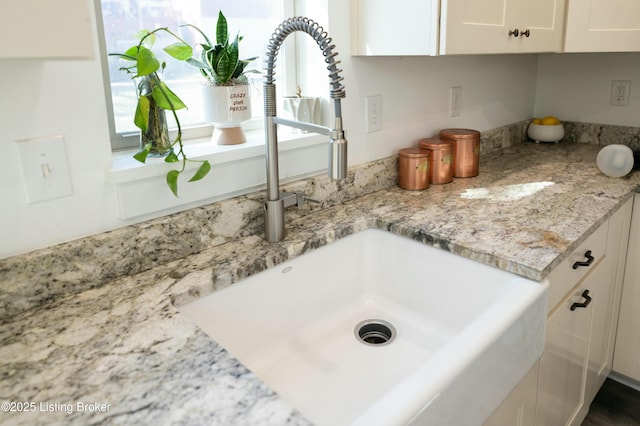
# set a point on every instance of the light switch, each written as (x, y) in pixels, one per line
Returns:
(44, 168)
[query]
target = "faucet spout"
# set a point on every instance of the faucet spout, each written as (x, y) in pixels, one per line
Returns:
(276, 202)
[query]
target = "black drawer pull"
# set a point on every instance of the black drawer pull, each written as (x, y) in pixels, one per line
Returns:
(589, 261)
(587, 300)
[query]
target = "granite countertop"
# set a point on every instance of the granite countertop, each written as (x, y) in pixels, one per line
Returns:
(123, 354)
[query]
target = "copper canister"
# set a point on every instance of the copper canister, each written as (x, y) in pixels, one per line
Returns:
(441, 159)
(466, 151)
(413, 169)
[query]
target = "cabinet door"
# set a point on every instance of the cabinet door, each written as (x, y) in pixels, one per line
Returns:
(478, 27)
(563, 362)
(401, 28)
(626, 359)
(519, 408)
(544, 19)
(45, 29)
(607, 290)
(600, 284)
(603, 26)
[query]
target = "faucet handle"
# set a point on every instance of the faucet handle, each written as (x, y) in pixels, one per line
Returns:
(297, 199)
(303, 199)
(311, 200)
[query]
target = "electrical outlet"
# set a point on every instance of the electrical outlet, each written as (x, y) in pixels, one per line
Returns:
(373, 113)
(455, 101)
(620, 92)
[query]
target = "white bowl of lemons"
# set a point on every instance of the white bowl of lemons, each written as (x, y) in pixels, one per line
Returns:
(546, 129)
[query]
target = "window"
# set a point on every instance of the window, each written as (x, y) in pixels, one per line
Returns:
(255, 20)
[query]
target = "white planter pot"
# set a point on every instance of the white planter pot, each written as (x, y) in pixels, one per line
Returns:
(227, 107)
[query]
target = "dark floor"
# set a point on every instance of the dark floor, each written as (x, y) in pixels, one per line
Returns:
(615, 405)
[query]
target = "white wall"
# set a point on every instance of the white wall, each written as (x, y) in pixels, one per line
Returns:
(41, 98)
(577, 87)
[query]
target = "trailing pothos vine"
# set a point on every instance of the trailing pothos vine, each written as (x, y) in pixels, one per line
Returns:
(144, 63)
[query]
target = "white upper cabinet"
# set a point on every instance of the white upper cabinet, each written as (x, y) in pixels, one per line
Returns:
(501, 26)
(545, 21)
(418, 27)
(478, 27)
(603, 26)
(45, 29)
(399, 28)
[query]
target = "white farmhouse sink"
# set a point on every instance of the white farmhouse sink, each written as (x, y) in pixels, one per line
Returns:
(465, 333)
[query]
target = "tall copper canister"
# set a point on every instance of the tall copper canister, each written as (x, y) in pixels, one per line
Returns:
(413, 169)
(441, 159)
(466, 151)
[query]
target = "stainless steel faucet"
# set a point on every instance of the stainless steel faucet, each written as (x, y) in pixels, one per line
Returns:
(277, 202)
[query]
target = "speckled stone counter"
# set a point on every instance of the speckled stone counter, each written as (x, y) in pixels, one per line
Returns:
(125, 347)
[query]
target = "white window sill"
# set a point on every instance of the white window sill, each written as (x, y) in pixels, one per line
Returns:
(235, 169)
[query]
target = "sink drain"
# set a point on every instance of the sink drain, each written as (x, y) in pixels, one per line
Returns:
(375, 332)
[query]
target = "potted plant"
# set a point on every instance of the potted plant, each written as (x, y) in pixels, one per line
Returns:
(226, 93)
(154, 99)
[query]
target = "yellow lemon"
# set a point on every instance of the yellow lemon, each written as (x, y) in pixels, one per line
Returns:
(537, 121)
(550, 120)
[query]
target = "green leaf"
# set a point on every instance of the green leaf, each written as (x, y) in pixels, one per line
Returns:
(242, 64)
(141, 156)
(212, 56)
(228, 62)
(147, 62)
(130, 55)
(171, 158)
(179, 51)
(196, 63)
(165, 98)
(141, 117)
(148, 36)
(172, 181)
(239, 69)
(202, 171)
(221, 29)
(201, 32)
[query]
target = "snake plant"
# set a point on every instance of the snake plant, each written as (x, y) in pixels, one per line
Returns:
(220, 63)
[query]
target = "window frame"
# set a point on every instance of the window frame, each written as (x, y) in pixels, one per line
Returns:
(192, 133)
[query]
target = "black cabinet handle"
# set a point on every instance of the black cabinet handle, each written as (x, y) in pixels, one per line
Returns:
(589, 261)
(514, 33)
(587, 300)
(526, 33)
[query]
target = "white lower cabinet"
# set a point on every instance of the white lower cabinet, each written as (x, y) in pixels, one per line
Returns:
(564, 361)
(607, 293)
(627, 346)
(519, 408)
(579, 342)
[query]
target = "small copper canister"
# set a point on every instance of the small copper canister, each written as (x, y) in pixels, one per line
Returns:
(466, 151)
(413, 169)
(441, 159)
